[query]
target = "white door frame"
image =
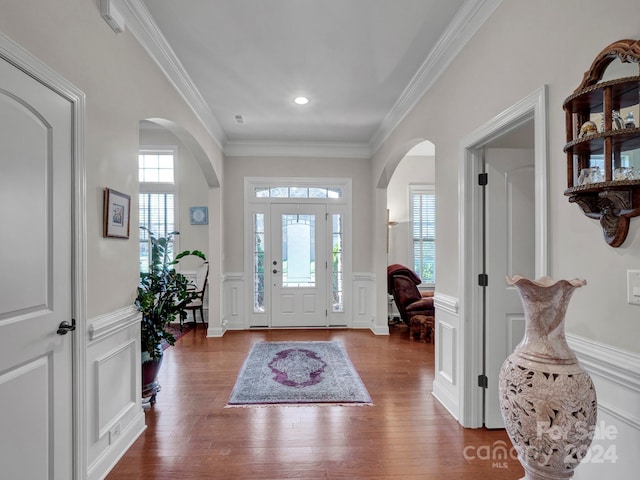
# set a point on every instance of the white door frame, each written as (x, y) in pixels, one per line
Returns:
(254, 205)
(13, 53)
(534, 106)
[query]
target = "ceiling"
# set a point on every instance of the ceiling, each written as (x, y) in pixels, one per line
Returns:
(361, 63)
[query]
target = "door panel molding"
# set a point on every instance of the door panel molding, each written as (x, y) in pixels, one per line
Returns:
(302, 300)
(23, 60)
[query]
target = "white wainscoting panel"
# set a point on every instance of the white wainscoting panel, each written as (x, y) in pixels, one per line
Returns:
(114, 406)
(232, 304)
(363, 302)
(614, 452)
(446, 386)
(115, 373)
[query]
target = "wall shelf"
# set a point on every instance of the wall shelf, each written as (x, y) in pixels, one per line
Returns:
(612, 202)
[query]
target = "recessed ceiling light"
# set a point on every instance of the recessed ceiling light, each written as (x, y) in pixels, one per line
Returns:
(301, 100)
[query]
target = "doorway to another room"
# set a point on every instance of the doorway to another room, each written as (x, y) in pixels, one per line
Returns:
(411, 222)
(503, 231)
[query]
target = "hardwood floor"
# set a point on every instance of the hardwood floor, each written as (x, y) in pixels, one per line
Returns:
(406, 433)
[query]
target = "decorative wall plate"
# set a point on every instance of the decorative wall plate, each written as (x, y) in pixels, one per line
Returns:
(199, 215)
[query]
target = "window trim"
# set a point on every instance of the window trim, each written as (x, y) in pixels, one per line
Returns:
(420, 189)
(163, 187)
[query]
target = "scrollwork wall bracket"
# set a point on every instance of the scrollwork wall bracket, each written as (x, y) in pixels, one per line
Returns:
(612, 208)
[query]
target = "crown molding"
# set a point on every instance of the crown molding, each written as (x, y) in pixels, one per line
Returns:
(297, 149)
(465, 24)
(468, 20)
(143, 27)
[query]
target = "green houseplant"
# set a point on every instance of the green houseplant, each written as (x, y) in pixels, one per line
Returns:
(162, 295)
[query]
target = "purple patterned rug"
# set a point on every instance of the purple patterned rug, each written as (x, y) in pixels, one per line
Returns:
(298, 373)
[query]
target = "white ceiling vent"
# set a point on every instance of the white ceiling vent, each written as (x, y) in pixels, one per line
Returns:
(239, 119)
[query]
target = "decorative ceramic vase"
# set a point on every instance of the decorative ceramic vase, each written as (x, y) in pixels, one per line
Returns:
(150, 370)
(547, 400)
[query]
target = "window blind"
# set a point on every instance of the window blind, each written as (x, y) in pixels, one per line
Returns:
(423, 229)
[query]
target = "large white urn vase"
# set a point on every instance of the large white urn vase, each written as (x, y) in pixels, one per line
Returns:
(547, 400)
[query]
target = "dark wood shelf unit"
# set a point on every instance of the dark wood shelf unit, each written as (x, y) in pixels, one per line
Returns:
(624, 91)
(621, 140)
(611, 202)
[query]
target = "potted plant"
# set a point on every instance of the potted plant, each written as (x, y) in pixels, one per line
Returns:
(162, 295)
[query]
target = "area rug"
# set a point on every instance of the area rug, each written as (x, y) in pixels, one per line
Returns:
(177, 332)
(298, 373)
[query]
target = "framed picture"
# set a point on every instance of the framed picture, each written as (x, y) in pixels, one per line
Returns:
(116, 214)
(199, 215)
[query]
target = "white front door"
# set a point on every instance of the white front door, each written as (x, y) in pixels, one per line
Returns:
(510, 250)
(298, 266)
(36, 281)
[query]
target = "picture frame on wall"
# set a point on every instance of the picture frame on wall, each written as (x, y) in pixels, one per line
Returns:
(199, 215)
(117, 206)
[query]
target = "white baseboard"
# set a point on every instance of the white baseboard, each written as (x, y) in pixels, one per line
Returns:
(99, 469)
(447, 400)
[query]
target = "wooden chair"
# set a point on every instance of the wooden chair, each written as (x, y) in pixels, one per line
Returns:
(202, 275)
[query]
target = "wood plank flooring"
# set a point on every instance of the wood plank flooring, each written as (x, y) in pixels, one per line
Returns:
(406, 434)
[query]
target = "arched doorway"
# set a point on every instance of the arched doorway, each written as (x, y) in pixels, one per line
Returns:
(188, 201)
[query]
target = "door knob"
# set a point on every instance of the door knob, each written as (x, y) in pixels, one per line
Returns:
(275, 271)
(66, 327)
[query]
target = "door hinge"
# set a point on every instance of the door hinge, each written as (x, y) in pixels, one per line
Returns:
(483, 179)
(326, 312)
(483, 381)
(483, 280)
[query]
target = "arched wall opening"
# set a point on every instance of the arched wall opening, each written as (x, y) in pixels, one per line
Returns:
(415, 172)
(197, 203)
(189, 141)
(381, 230)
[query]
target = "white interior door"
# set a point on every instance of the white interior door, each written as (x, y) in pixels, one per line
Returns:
(509, 250)
(36, 281)
(298, 266)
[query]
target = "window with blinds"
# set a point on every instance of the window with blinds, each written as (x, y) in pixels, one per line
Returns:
(423, 232)
(156, 201)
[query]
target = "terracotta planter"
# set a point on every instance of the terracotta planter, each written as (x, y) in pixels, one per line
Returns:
(150, 385)
(547, 400)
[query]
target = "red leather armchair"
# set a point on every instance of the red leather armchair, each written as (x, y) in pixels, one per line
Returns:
(402, 283)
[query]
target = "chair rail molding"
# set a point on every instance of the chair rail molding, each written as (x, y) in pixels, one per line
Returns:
(616, 376)
(113, 322)
(619, 369)
(445, 302)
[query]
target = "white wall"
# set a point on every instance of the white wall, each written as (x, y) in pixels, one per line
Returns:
(412, 170)
(523, 46)
(122, 86)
